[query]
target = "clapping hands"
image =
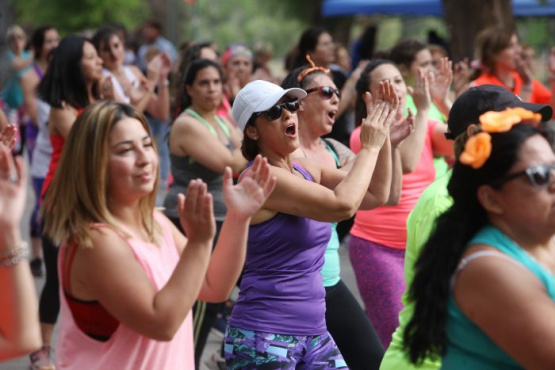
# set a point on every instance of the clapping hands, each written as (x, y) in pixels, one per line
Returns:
(421, 91)
(440, 81)
(401, 129)
(245, 199)
(196, 213)
(381, 113)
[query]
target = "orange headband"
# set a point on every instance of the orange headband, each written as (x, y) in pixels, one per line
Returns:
(312, 68)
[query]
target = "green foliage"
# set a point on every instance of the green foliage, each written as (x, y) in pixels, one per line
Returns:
(76, 15)
(242, 21)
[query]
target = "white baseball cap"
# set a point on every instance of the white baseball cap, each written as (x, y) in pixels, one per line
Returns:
(258, 96)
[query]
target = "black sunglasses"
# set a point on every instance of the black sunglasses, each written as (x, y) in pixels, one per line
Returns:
(275, 112)
(326, 92)
(539, 176)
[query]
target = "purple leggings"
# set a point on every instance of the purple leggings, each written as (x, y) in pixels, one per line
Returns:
(381, 282)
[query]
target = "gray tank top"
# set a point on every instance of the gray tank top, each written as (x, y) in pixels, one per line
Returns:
(185, 169)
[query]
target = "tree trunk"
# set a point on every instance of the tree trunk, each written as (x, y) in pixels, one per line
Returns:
(466, 19)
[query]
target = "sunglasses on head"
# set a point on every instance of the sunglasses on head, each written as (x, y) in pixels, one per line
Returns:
(539, 176)
(326, 92)
(275, 112)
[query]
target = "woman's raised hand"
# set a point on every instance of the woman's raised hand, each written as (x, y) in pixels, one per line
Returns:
(196, 213)
(8, 136)
(421, 91)
(461, 76)
(165, 67)
(381, 113)
(440, 81)
(12, 189)
(108, 92)
(401, 129)
(245, 199)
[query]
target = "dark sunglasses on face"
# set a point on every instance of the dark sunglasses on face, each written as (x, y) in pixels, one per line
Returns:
(326, 92)
(539, 176)
(275, 112)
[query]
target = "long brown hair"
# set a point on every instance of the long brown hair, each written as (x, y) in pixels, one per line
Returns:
(78, 195)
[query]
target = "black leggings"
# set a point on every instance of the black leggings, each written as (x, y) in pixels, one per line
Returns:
(352, 330)
(204, 313)
(49, 305)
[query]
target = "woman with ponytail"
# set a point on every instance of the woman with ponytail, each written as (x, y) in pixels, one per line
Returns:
(484, 282)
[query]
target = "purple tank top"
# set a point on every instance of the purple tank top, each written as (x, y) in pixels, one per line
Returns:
(281, 290)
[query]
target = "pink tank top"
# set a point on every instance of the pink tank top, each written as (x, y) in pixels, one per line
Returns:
(127, 349)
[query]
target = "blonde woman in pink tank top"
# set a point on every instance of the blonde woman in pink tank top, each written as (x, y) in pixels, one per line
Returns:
(128, 277)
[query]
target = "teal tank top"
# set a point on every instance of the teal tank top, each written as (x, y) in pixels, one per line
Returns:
(332, 264)
(468, 346)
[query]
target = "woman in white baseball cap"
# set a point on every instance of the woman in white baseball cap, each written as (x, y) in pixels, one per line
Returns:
(278, 319)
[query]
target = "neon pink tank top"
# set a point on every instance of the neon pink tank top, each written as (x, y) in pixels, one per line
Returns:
(127, 349)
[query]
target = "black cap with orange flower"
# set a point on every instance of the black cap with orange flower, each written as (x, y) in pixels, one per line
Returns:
(478, 100)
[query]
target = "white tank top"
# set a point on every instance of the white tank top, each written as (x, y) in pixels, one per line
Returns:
(118, 89)
(43, 148)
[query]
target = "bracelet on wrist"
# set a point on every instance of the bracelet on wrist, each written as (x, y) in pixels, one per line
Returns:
(13, 256)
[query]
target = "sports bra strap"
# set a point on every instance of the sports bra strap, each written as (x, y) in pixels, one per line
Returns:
(67, 266)
(219, 120)
(479, 254)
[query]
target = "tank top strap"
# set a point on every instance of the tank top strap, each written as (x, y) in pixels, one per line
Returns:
(296, 166)
(131, 76)
(330, 148)
(38, 71)
(210, 128)
(303, 172)
(479, 254)
(222, 122)
(66, 265)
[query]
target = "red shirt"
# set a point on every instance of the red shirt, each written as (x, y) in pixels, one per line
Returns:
(540, 94)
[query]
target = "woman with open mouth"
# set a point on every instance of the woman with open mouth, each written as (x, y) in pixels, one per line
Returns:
(346, 321)
(279, 318)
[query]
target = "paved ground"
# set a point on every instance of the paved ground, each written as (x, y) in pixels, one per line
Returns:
(214, 341)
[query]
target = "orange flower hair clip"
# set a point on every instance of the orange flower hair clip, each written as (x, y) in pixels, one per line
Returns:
(311, 69)
(476, 150)
(478, 147)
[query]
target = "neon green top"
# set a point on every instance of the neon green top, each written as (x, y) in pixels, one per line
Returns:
(432, 203)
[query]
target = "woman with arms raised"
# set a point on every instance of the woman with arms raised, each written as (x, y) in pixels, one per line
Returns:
(148, 94)
(346, 321)
(135, 314)
(278, 319)
(378, 236)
